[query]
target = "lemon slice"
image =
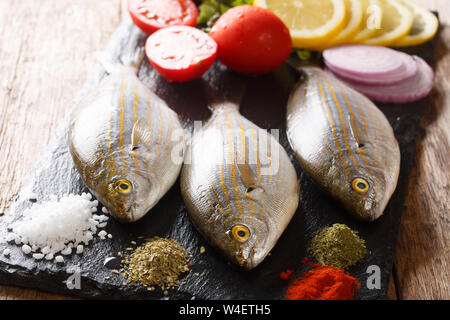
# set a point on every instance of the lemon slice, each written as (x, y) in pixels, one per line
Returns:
(425, 26)
(372, 16)
(353, 24)
(396, 23)
(311, 23)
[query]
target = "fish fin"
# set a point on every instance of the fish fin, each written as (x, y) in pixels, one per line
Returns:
(223, 87)
(140, 135)
(254, 189)
(357, 133)
(247, 175)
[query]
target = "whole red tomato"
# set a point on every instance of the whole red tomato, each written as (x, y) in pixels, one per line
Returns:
(251, 40)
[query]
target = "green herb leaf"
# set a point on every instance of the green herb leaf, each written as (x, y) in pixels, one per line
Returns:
(211, 10)
(303, 55)
(206, 11)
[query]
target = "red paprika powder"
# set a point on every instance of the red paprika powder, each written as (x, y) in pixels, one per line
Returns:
(285, 275)
(323, 283)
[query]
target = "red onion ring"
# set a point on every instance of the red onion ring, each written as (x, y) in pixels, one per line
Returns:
(409, 90)
(371, 65)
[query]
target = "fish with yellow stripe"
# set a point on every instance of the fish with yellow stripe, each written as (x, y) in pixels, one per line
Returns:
(126, 143)
(239, 186)
(344, 142)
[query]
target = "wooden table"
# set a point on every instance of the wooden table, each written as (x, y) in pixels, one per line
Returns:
(46, 52)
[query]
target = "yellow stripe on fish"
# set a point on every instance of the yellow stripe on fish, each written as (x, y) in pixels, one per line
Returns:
(221, 171)
(251, 211)
(231, 159)
(122, 118)
(332, 125)
(360, 141)
(112, 134)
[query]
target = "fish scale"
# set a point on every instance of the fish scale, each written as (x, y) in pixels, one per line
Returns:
(123, 132)
(340, 138)
(224, 186)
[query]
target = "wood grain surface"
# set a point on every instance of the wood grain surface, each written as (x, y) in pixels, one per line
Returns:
(46, 53)
(422, 263)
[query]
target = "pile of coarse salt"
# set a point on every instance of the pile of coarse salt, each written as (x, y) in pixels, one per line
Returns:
(54, 229)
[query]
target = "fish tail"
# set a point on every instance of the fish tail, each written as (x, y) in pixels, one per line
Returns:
(132, 60)
(223, 87)
(301, 65)
(305, 68)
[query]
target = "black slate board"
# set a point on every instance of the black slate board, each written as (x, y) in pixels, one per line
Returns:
(212, 277)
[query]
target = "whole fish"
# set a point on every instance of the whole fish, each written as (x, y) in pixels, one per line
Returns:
(126, 143)
(239, 186)
(344, 142)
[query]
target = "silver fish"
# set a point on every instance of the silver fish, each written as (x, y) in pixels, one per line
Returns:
(344, 142)
(239, 186)
(127, 144)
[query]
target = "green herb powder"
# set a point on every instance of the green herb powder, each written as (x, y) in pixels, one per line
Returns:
(338, 246)
(157, 262)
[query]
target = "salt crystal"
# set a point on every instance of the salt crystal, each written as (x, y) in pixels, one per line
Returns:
(66, 251)
(26, 249)
(102, 234)
(102, 225)
(86, 196)
(6, 252)
(38, 256)
(104, 210)
(49, 256)
(80, 249)
(57, 226)
(103, 218)
(17, 239)
(110, 236)
(93, 222)
(10, 237)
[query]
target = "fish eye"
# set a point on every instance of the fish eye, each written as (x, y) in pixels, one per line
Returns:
(360, 185)
(240, 233)
(123, 186)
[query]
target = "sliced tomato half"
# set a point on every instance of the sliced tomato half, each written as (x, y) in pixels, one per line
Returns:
(181, 53)
(152, 15)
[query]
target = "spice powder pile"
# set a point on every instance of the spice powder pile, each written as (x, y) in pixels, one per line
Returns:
(157, 262)
(322, 283)
(338, 246)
